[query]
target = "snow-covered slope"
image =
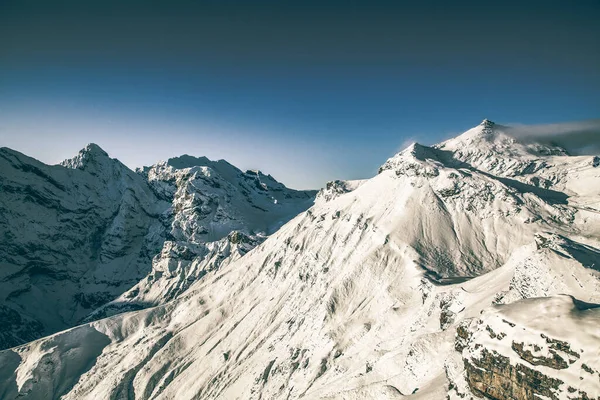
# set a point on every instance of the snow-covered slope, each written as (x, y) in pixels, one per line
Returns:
(80, 234)
(368, 294)
(217, 214)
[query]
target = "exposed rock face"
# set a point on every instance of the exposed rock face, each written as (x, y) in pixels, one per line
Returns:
(513, 360)
(79, 235)
(492, 376)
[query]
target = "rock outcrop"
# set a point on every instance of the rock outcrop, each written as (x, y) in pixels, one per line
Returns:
(535, 348)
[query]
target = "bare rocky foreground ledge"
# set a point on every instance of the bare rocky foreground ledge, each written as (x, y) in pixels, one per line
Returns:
(535, 348)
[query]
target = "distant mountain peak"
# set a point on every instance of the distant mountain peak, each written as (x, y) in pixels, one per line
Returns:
(488, 145)
(100, 228)
(486, 123)
(90, 154)
(489, 136)
(488, 128)
(499, 149)
(93, 148)
(187, 161)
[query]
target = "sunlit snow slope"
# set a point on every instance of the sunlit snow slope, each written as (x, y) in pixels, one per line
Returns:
(375, 292)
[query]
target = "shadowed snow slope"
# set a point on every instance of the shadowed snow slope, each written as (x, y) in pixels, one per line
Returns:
(73, 237)
(77, 235)
(361, 295)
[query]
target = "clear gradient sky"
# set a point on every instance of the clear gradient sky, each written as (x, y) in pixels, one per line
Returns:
(307, 91)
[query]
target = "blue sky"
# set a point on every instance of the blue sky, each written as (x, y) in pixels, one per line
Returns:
(306, 93)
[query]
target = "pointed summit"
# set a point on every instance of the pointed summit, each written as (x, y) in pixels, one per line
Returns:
(90, 155)
(487, 127)
(495, 148)
(186, 161)
(486, 123)
(93, 148)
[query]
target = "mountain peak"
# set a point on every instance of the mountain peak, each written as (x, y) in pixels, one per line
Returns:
(93, 148)
(91, 154)
(486, 123)
(417, 151)
(499, 149)
(187, 161)
(487, 128)
(416, 157)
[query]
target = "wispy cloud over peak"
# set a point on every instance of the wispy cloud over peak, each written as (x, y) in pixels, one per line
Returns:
(577, 137)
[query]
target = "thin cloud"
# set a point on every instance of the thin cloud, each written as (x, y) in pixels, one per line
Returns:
(578, 138)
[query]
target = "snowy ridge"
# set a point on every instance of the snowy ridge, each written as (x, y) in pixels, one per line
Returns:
(89, 231)
(75, 238)
(492, 148)
(376, 291)
(336, 188)
(218, 213)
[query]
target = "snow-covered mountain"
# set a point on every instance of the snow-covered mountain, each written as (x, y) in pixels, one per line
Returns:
(84, 233)
(217, 214)
(461, 270)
